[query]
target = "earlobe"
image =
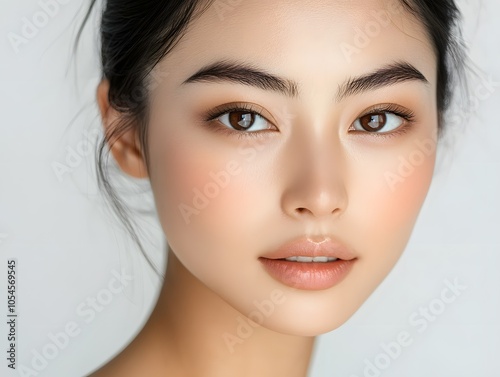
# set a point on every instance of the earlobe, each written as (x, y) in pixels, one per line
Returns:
(126, 148)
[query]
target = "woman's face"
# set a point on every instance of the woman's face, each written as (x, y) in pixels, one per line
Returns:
(343, 148)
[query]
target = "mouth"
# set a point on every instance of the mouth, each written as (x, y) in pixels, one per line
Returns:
(304, 259)
(308, 265)
(322, 273)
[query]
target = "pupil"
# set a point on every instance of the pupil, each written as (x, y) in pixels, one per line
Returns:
(240, 120)
(373, 122)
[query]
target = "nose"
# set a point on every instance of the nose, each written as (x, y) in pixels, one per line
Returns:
(314, 173)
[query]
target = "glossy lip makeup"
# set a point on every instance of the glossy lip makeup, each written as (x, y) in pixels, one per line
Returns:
(308, 265)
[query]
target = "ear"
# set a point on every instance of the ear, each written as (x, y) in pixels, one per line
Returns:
(126, 149)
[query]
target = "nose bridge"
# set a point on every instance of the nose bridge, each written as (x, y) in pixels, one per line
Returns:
(314, 175)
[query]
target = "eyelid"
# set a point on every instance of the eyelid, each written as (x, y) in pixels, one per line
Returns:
(234, 106)
(406, 114)
(398, 110)
(212, 115)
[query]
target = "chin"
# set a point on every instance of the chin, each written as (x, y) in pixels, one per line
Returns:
(308, 327)
(310, 313)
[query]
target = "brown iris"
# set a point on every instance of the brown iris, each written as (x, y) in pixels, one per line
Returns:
(241, 120)
(373, 122)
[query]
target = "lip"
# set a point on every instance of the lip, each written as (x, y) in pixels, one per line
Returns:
(308, 247)
(309, 275)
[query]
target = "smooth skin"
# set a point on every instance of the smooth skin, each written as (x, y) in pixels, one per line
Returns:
(307, 172)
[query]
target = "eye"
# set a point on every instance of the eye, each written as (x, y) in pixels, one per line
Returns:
(240, 118)
(244, 121)
(377, 121)
(383, 120)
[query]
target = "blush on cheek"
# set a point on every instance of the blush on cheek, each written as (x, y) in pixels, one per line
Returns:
(196, 187)
(383, 216)
(400, 201)
(386, 198)
(409, 183)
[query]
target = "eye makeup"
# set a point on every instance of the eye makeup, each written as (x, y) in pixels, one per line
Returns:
(407, 117)
(210, 119)
(248, 108)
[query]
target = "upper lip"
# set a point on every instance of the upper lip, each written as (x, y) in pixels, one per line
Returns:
(312, 247)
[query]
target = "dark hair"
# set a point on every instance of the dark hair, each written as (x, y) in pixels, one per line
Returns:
(136, 35)
(442, 21)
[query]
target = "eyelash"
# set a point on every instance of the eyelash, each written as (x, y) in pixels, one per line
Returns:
(407, 115)
(221, 110)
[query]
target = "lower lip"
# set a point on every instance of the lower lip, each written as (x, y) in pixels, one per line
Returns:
(308, 275)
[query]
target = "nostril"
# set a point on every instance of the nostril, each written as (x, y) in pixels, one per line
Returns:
(302, 210)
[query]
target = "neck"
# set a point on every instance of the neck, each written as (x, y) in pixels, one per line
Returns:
(199, 334)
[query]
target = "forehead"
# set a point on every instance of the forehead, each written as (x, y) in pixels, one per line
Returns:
(308, 41)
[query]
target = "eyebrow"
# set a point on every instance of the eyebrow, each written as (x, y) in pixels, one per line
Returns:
(247, 74)
(389, 75)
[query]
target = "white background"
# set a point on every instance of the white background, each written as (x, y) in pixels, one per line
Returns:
(68, 246)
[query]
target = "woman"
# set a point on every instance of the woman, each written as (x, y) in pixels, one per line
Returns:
(290, 146)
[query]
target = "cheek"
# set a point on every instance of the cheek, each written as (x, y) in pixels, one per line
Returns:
(387, 210)
(188, 182)
(206, 199)
(406, 185)
(209, 213)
